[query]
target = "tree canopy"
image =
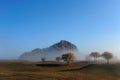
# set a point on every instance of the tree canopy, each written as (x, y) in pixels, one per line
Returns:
(68, 57)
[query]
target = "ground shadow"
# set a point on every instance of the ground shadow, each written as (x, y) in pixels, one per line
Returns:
(50, 65)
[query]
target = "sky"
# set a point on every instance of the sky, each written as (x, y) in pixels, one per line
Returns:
(92, 25)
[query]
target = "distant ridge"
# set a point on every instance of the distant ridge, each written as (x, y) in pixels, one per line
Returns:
(51, 52)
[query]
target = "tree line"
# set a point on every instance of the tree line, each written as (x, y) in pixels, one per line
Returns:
(67, 58)
(106, 55)
(70, 57)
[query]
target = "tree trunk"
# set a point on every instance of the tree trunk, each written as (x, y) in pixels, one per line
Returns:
(107, 61)
(95, 59)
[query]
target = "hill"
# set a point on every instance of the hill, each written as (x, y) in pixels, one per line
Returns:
(51, 52)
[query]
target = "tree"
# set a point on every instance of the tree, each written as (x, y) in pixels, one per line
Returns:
(43, 59)
(107, 56)
(95, 55)
(68, 57)
(58, 59)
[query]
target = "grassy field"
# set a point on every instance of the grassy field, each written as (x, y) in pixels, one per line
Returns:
(75, 71)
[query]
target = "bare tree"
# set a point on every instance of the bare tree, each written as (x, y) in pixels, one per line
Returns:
(43, 59)
(95, 55)
(107, 56)
(58, 59)
(68, 57)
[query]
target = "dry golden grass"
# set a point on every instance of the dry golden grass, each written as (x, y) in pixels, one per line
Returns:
(30, 71)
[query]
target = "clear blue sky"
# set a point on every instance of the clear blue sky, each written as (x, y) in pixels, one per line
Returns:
(92, 25)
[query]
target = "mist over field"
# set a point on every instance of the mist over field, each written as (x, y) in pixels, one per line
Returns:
(59, 39)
